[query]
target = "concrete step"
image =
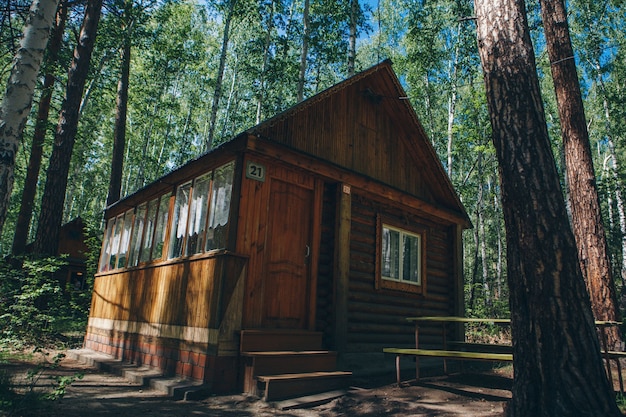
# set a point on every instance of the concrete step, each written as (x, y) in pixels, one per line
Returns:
(175, 387)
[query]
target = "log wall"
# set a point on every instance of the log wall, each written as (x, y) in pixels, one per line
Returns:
(376, 317)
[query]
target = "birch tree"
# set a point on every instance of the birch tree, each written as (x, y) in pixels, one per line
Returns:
(18, 97)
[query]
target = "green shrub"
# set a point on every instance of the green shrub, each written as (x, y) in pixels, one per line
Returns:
(32, 302)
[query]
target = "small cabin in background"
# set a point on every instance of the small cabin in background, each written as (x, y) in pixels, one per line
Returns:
(320, 229)
(72, 244)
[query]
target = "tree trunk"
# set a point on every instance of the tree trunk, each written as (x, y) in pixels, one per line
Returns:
(558, 367)
(587, 224)
(266, 60)
(36, 151)
(119, 132)
(305, 48)
(354, 12)
(18, 96)
(51, 214)
(217, 93)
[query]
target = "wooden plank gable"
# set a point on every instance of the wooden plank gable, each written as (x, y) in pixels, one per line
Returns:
(366, 125)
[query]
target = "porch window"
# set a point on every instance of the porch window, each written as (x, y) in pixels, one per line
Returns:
(220, 207)
(138, 231)
(201, 211)
(179, 220)
(198, 214)
(400, 258)
(161, 227)
(107, 246)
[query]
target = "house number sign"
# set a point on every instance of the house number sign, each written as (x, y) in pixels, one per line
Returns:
(255, 171)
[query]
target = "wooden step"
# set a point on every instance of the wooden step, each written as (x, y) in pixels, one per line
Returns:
(278, 387)
(258, 340)
(275, 363)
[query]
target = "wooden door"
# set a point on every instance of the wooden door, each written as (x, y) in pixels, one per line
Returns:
(288, 251)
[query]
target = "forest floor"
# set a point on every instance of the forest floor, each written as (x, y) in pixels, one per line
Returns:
(483, 393)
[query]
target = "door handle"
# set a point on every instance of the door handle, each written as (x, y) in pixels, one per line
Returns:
(308, 251)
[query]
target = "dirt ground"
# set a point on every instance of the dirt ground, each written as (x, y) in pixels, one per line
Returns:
(100, 394)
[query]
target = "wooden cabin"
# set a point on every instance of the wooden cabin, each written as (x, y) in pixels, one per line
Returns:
(318, 230)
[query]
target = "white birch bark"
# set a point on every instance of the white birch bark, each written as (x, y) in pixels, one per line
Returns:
(18, 97)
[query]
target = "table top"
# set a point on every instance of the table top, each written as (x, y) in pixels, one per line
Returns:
(456, 319)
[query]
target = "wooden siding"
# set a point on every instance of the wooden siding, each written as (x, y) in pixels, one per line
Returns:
(376, 318)
(354, 133)
(194, 293)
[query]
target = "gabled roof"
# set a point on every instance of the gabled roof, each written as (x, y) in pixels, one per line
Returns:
(362, 115)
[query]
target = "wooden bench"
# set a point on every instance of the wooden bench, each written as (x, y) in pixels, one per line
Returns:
(445, 354)
(615, 356)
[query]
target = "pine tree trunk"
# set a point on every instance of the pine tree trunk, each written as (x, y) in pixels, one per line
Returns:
(18, 97)
(587, 224)
(558, 367)
(51, 215)
(25, 214)
(119, 132)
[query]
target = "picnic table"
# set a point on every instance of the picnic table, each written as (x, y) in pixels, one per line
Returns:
(484, 351)
(499, 353)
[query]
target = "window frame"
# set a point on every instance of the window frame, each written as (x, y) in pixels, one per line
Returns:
(386, 283)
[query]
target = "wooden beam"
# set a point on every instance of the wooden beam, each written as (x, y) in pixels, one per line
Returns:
(342, 265)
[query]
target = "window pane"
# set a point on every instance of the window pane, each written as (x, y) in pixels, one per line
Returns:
(135, 241)
(179, 220)
(391, 253)
(220, 207)
(198, 214)
(125, 239)
(146, 245)
(115, 241)
(107, 246)
(161, 226)
(410, 258)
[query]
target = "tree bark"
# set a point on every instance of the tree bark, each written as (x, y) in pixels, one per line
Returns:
(558, 367)
(119, 132)
(25, 214)
(217, 93)
(18, 96)
(587, 224)
(51, 214)
(354, 15)
(305, 49)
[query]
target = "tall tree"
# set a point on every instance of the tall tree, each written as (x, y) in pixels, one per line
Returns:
(36, 151)
(352, 34)
(51, 214)
(587, 224)
(306, 25)
(217, 93)
(121, 106)
(18, 97)
(558, 368)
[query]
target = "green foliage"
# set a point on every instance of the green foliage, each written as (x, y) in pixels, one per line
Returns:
(34, 308)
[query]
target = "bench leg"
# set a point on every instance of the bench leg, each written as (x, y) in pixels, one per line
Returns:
(398, 369)
(619, 373)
